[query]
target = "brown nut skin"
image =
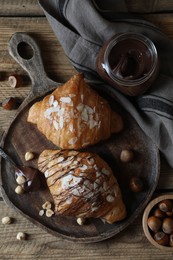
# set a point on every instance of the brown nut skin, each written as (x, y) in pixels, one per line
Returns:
(166, 205)
(167, 225)
(9, 103)
(158, 213)
(171, 240)
(154, 223)
(2, 75)
(169, 214)
(15, 81)
(136, 184)
(126, 156)
(161, 238)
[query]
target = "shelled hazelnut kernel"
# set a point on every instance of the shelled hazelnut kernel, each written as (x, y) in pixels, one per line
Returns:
(6, 220)
(21, 236)
(47, 205)
(160, 223)
(126, 155)
(41, 212)
(19, 190)
(20, 180)
(29, 156)
(49, 213)
(80, 221)
(47, 209)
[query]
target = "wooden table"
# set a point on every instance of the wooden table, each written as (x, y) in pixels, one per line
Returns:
(26, 16)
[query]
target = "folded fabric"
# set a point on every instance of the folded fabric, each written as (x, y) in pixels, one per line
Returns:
(82, 30)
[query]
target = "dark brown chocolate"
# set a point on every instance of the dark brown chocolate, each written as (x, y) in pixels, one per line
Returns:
(129, 62)
(130, 59)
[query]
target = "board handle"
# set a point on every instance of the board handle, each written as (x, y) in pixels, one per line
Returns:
(23, 48)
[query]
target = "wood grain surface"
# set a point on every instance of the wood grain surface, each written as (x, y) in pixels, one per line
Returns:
(129, 244)
(26, 16)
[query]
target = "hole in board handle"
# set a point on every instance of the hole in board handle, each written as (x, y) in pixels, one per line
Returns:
(25, 50)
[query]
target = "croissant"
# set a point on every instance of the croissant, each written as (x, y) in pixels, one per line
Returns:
(82, 185)
(75, 116)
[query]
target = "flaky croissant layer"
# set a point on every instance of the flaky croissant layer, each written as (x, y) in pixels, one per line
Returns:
(82, 185)
(75, 116)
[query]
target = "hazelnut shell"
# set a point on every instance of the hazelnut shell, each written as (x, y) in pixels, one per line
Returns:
(136, 184)
(161, 238)
(166, 205)
(154, 223)
(167, 225)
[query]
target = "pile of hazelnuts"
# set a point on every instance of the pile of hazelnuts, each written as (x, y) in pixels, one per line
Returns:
(160, 223)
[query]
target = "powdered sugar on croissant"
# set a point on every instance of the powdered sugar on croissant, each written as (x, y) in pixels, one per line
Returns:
(82, 185)
(75, 116)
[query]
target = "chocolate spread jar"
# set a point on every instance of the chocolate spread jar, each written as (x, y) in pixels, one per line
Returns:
(129, 62)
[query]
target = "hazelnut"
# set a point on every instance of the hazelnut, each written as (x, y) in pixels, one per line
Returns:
(136, 184)
(167, 225)
(49, 213)
(169, 214)
(20, 180)
(19, 190)
(126, 156)
(161, 238)
(166, 205)
(29, 156)
(6, 220)
(21, 236)
(158, 213)
(154, 223)
(41, 212)
(15, 81)
(171, 240)
(80, 221)
(47, 205)
(9, 103)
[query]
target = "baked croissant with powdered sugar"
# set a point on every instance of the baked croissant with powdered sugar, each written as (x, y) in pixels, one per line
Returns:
(75, 116)
(82, 185)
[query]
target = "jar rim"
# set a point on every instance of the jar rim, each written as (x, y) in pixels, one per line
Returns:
(139, 37)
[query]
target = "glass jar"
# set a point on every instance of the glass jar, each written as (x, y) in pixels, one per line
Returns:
(129, 62)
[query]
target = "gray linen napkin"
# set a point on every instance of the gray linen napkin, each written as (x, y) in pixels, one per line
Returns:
(81, 30)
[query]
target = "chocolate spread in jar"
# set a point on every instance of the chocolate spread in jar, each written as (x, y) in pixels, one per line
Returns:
(130, 59)
(129, 62)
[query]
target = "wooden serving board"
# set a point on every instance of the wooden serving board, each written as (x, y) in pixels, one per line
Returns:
(22, 136)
